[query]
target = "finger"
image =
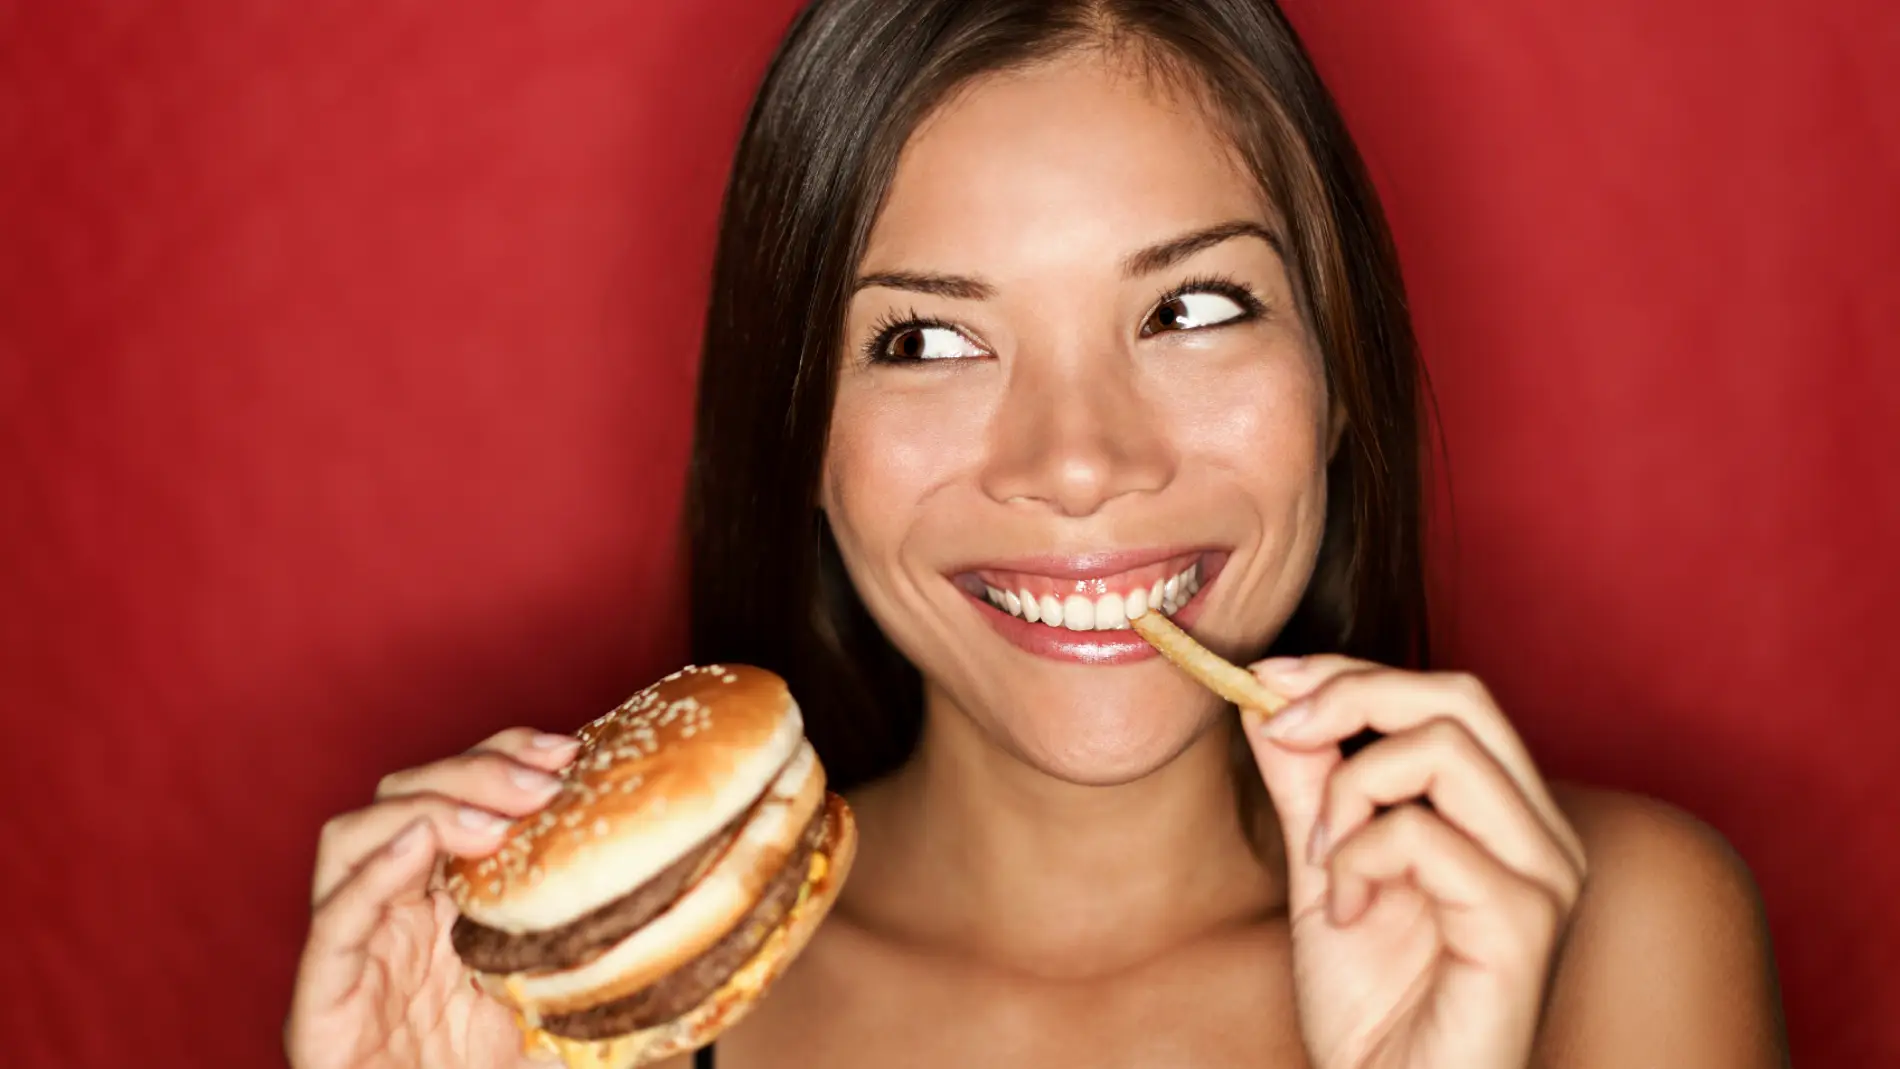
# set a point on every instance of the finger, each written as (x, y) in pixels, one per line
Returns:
(1486, 913)
(335, 955)
(1391, 701)
(1467, 787)
(486, 778)
(1296, 677)
(349, 841)
(1296, 781)
(541, 749)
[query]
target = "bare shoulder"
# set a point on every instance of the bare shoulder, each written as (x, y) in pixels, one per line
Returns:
(1632, 838)
(1668, 959)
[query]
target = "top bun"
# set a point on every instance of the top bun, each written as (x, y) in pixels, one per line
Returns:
(654, 778)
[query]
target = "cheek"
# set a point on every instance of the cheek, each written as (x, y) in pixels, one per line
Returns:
(888, 454)
(1264, 421)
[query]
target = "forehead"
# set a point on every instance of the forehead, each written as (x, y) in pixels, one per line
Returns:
(1081, 155)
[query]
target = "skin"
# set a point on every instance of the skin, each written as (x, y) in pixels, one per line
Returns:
(1059, 876)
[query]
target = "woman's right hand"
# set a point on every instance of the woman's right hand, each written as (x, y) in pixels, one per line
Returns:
(380, 986)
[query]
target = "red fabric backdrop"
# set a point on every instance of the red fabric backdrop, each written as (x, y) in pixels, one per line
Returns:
(345, 356)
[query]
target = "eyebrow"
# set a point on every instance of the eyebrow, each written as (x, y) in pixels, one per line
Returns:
(955, 287)
(1157, 257)
(1166, 254)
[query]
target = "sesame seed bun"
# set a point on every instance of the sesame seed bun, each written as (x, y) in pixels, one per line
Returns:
(654, 778)
(718, 901)
(688, 857)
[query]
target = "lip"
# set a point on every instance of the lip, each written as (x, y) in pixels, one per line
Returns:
(1124, 646)
(1083, 566)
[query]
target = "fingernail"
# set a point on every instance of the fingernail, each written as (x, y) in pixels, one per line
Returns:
(481, 820)
(1316, 847)
(529, 779)
(410, 839)
(1288, 721)
(554, 742)
(1282, 668)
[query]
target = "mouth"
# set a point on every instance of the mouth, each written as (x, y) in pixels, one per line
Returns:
(1077, 608)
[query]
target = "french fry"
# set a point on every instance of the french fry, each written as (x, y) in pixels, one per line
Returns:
(1214, 672)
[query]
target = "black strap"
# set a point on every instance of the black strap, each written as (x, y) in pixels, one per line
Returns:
(703, 1057)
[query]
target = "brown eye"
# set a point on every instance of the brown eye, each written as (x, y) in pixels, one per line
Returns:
(1190, 311)
(907, 344)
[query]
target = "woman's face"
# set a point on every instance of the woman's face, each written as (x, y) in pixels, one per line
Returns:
(1075, 377)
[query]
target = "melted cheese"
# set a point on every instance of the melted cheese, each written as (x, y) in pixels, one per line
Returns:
(756, 972)
(593, 1053)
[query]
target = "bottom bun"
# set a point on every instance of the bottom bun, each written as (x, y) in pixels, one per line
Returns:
(830, 864)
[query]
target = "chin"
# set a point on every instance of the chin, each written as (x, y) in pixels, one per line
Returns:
(1098, 734)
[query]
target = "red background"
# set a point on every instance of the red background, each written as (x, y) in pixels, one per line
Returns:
(345, 356)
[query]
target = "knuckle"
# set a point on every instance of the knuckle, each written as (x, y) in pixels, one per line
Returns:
(392, 784)
(1410, 823)
(1569, 891)
(1330, 662)
(1346, 680)
(481, 761)
(1535, 908)
(1568, 887)
(508, 740)
(1469, 687)
(1447, 735)
(334, 833)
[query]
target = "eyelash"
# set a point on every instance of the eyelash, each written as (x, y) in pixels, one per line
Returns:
(1251, 306)
(891, 324)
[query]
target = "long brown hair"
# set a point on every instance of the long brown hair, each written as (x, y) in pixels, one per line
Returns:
(850, 82)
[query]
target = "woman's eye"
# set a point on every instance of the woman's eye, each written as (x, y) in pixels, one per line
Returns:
(1191, 310)
(928, 343)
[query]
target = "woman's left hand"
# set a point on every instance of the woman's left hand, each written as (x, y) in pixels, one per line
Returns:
(1423, 937)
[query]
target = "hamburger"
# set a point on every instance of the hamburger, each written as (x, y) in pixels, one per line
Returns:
(690, 854)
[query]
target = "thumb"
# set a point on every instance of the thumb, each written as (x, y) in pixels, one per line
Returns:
(1295, 779)
(337, 953)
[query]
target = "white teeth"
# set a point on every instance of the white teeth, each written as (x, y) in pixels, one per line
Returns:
(1110, 612)
(1137, 602)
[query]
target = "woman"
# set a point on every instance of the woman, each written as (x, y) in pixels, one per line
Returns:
(1025, 310)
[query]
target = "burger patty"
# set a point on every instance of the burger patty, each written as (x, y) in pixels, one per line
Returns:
(690, 984)
(579, 941)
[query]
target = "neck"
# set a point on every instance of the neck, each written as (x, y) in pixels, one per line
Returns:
(974, 848)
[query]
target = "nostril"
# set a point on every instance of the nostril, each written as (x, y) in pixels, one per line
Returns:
(1074, 443)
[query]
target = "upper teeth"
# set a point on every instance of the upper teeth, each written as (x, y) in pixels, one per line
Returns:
(1110, 612)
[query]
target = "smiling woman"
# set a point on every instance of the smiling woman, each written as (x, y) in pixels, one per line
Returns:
(1029, 317)
(1198, 206)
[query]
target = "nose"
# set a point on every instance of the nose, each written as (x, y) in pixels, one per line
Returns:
(1073, 436)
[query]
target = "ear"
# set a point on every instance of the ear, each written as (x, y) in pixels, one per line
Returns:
(1335, 430)
(824, 502)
